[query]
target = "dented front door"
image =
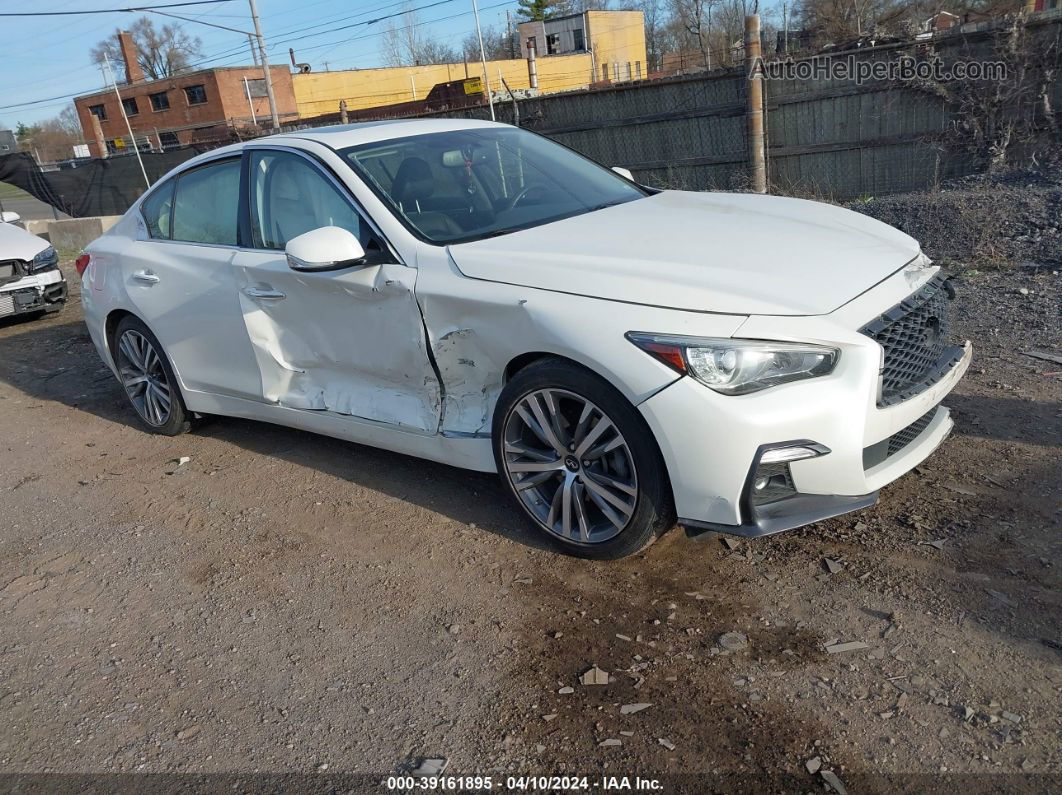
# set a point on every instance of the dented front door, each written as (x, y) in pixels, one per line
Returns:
(349, 341)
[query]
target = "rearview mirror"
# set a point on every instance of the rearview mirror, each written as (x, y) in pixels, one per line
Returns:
(324, 249)
(9, 217)
(624, 172)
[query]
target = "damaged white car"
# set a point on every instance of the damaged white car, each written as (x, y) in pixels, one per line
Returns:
(30, 280)
(478, 295)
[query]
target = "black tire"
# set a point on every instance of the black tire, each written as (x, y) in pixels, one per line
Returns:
(653, 511)
(178, 420)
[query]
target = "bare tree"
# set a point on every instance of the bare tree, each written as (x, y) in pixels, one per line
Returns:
(407, 42)
(52, 139)
(992, 117)
(161, 52)
(497, 44)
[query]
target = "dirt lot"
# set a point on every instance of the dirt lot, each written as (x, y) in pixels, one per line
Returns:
(293, 604)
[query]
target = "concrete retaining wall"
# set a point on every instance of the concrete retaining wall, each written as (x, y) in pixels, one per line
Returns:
(72, 233)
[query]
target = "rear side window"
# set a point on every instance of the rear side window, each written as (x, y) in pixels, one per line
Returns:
(207, 204)
(156, 211)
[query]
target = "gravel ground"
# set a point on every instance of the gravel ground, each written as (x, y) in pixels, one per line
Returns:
(1012, 218)
(286, 603)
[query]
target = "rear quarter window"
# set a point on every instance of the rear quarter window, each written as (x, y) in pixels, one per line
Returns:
(156, 211)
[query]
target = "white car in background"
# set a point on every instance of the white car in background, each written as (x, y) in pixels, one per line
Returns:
(30, 279)
(478, 295)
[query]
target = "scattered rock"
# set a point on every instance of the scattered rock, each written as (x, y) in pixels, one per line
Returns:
(852, 645)
(566, 690)
(814, 764)
(594, 676)
(733, 641)
(429, 768)
(1002, 597)
(666, 743)
(188, 733)
(551, 716)
(1010, 716)
(176, 463)
(832, 566)
(611, 741)
(630, 709)
(831, 778)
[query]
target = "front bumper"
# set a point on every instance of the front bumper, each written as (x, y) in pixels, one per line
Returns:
(45, 291)
(711, 443)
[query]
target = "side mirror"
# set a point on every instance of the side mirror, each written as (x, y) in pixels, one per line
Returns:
(624, 172)
(324, 249)
(9, 217)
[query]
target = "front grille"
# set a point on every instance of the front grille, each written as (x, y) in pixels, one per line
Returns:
(887, 448)
(904, 437)
(11, 270)
(914, 336)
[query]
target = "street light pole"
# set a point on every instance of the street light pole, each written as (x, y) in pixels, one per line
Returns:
(265, 65)
(128, 126)
(483, 58)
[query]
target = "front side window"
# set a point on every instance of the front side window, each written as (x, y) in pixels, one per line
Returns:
(156, 211)
(169, 140)
(463, 185)
(205, 207)
(578, 41)
(130, 107)
(160, 101)
(196, 95)
(98, 111)
(552, 41)
(290, 196)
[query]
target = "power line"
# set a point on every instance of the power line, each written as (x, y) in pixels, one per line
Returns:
(107, 10)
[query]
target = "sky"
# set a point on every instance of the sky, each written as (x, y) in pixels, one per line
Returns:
(47, 58)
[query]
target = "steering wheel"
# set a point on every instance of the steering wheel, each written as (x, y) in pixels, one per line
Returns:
(523, 194)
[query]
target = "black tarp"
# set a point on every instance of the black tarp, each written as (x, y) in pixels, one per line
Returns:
(95, 187)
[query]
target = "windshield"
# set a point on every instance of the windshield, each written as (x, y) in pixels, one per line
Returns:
(453, 187)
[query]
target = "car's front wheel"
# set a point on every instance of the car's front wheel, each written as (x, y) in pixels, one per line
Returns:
(148, 379)
(581, 461)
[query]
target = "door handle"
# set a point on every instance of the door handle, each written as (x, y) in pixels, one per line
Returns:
(267, 295)
(146, 276)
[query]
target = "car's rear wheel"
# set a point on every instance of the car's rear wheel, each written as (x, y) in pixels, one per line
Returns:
(580, 461)
(148, 379)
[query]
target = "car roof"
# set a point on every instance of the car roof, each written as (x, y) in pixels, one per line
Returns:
(344, 135)
(341, 136)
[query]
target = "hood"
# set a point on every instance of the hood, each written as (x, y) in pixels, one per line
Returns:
(730, 253)
(17, 243)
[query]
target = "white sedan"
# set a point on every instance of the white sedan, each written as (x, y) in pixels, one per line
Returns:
(31, 283)
(478, 295)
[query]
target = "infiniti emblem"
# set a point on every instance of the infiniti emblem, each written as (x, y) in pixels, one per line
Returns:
(572, 463)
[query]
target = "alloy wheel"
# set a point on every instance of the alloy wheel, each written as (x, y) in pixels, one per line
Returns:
(570, 466)
(144, 378)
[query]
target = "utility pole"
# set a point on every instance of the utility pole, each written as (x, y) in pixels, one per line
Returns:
(254, 51)
(785, 25)
(754, 111)
(128, 126)
(265, 65)
(483, 58)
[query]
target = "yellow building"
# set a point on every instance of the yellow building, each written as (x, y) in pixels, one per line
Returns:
(318, 93)
(614, 40)
(572, 52)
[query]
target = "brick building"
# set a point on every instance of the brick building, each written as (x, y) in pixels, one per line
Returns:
(206, 105)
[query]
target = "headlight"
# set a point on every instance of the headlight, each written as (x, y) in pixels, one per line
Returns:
(44, 261)
(737, 367)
